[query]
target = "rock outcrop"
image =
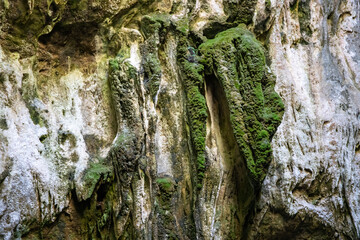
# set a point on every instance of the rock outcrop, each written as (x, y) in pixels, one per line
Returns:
(179, 119)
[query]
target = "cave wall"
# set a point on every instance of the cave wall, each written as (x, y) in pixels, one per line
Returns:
(179, 119)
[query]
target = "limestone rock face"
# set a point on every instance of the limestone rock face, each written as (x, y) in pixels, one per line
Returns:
(179, 119)
(311, 189)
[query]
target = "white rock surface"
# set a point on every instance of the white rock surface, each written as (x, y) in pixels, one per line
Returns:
(316, 158)
(40, 173)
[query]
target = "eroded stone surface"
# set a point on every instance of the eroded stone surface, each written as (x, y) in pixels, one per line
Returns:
(113, 125)
(310, 187)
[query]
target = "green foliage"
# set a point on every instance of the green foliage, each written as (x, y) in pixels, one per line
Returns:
(95, 171)
(114, 64)
(165, 184)
(268, 5)
(238, 60)
(93, 175)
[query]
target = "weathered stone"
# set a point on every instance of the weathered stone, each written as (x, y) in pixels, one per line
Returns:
(159, 119)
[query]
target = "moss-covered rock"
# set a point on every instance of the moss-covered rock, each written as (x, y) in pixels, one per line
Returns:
(165, 207)
(33, 18)
(154, 28)
(122, 77)
(193, 77)
(238, 61)
(301, 10)
(240, 11)
(32, 101)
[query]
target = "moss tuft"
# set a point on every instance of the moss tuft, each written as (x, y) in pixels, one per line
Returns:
(165, 184)
(93, 175)
(114, 64)
(267, 5)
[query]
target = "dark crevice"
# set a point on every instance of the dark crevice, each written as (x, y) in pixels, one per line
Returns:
(215, 27)
(66, 46)
(76, 39)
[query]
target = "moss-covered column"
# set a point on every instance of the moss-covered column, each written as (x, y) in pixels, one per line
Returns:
(193, 78)
(166, 222)
(127, 147)
(152, 27)
(238, 61)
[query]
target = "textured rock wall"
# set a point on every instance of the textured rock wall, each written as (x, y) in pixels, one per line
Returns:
(159, 120)
(311, 189)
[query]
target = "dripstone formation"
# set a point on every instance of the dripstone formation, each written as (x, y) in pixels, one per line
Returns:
(179, 119)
